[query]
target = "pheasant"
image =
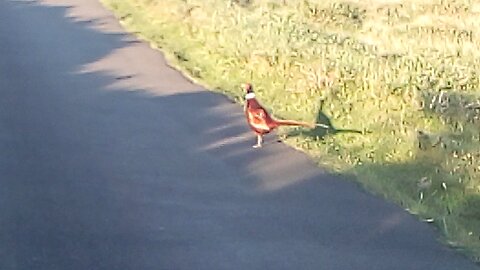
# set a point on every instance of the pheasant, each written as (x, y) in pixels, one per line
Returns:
(260, 121)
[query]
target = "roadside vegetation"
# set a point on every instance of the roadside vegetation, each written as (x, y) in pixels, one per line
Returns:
(397, 80)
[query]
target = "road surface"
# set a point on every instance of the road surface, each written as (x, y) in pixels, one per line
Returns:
(109, 159)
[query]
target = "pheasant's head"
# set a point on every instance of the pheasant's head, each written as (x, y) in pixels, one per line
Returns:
(248, 87)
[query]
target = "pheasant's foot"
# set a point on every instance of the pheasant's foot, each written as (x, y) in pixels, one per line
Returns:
(259, 141)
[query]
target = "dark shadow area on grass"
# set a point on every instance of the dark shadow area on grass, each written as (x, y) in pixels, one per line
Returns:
(436, 180)
(432, 194)
(110, 160)
(324, 127)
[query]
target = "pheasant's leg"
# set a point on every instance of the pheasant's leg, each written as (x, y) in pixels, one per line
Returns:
(259, 141)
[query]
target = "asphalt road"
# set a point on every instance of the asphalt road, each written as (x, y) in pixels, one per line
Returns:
(109, 159)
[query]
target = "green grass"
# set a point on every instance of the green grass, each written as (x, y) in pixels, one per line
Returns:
(397, 79)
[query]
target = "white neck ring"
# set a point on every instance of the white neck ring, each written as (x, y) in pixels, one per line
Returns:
(250, 95)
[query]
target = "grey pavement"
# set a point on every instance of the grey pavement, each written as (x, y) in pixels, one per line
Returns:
(109, 159)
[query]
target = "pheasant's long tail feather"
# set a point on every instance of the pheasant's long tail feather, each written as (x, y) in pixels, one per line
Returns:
(294, 123)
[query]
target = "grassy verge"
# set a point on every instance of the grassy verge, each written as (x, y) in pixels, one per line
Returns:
(397, 79)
